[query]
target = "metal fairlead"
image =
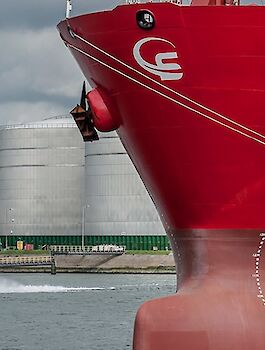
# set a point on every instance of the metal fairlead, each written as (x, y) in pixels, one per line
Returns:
(145, 19)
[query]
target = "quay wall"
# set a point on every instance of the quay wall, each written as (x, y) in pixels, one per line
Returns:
(126, 263)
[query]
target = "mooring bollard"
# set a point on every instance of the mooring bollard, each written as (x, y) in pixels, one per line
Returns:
(53, 266)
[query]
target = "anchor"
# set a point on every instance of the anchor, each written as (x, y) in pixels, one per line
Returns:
(83, 117)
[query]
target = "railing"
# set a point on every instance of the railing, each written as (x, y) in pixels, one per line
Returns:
(69, 4)
(177, 2)
(144, 1)
(39, 126)
(99, 249)
(26, 261)
(57, 122)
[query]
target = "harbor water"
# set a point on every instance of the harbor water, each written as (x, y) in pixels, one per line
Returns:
(74, 311)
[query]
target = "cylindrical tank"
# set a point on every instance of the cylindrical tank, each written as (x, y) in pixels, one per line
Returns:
(41, 178)
(117, 202)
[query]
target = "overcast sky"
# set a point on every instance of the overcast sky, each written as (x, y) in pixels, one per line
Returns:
(39, 78)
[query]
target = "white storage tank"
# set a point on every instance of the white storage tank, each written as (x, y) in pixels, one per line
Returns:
(117, 203)
(41, 178)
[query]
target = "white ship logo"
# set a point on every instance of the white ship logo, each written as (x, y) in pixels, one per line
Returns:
(166, 71)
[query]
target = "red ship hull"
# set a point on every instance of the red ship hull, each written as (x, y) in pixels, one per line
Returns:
(198, 142)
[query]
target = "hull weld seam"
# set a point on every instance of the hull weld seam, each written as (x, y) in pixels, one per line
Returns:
(257, 257)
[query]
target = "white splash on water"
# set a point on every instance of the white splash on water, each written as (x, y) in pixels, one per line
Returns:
(9, 286)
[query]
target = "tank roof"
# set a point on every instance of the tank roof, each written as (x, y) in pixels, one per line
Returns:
(63, 121)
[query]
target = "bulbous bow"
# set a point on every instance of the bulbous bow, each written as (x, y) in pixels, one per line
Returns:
(103, 111)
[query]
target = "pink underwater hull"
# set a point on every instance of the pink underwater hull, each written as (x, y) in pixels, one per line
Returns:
(198, 143)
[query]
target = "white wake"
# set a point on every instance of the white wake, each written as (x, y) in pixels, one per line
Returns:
(10, 286)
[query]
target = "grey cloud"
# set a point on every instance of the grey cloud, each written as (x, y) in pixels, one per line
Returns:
(22, 111)
(43, 13)
(38, 69)
(38, 76)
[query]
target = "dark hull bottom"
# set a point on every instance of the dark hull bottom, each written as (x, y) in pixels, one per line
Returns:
(219, 304)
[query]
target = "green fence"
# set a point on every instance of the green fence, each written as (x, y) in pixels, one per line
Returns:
(131, 242)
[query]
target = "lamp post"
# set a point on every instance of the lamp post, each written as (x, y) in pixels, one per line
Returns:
(83, 227)
(8, 211)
